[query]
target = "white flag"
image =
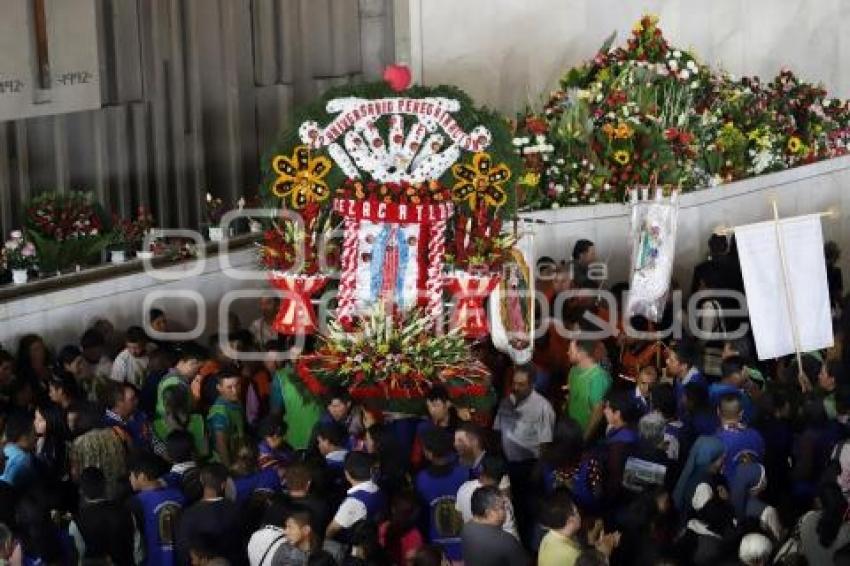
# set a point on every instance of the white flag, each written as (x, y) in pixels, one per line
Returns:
(765, 280)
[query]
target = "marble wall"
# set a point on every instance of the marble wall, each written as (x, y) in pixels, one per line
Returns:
(62, 316)
(810, 189)
(507, 52)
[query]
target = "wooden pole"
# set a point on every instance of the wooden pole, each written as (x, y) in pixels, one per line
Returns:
(789, 300)
(41, 53)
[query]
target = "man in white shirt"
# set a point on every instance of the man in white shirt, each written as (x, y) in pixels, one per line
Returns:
(364, 498)
(525, 418)
(493, 472)
(132, 363)
(261, 328)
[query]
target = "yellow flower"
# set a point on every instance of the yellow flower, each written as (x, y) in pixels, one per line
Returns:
(795, 145)
(622, 157)
(530, 179)
(300, 177)
(623, 131)
(481, 181)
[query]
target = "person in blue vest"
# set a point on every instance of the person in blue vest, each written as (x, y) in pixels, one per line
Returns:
(621, 438)
(681, 366)
(184, 473)
(123, 417)
(248, 479)
(741, 442)
(364, 499)
(156, 510)
(733, 380)
(441, 415)
(676, 435)
(437, 487)
(340, 410)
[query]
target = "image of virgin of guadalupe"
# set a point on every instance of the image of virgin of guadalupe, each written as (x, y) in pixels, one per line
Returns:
(516, 301)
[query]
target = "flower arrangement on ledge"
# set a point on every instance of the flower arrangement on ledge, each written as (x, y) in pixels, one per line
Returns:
(67, 229)
(649, 113)
(396, 360)
(128, 234)
(18, 256)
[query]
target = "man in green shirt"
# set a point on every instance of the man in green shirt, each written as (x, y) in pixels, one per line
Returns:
(588, 385)
(226, 418)
(299, 412)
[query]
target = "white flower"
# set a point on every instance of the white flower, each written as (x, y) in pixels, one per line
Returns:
(517, 142)
(673, 64)
(573, 199)
(94, 232)
(692, 66)
(695, 84)
(606, 186)
(826, 103)
(209, 197)
(685, 75)
(16, 234)
(560, 161)
(592, 199)
(677, 54)
(540, 139)
(599, 98)
(555, 205)
(584, 162)
(12, 245)
(241, 203)
(592, 167)
(559, 188)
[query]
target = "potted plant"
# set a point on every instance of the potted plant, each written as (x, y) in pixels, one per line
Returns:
(67, 229)
(215, 209)
(19, 256)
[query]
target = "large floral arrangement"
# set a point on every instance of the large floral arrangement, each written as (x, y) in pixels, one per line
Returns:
(67, 229)
(394, 359)
(649, 113)
(129, 233)
(18, 252)
(301, 179)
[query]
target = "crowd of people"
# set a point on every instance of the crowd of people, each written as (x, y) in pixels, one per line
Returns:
(124, 450)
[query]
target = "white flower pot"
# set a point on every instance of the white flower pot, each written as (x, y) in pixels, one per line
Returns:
(19, 276)
(117, 256)
(255, 227)
(216, 233)
(144, 255)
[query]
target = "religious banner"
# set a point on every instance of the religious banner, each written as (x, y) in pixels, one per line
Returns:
(512, 303)
(770, 282)
(653, 243)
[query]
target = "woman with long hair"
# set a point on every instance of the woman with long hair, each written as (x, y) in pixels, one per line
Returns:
(34, 363)
(52, 433)
(381, 443)
(824, 531)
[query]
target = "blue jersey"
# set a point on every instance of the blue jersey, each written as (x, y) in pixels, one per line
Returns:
(264, 480)
(439, 493)
(739, 441)
(161, 509)
(717, 391)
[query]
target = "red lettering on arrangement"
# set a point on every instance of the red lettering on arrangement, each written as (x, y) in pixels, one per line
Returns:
(416, 107)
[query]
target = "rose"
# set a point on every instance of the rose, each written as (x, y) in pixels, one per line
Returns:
(28, 250)
(16, 235)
